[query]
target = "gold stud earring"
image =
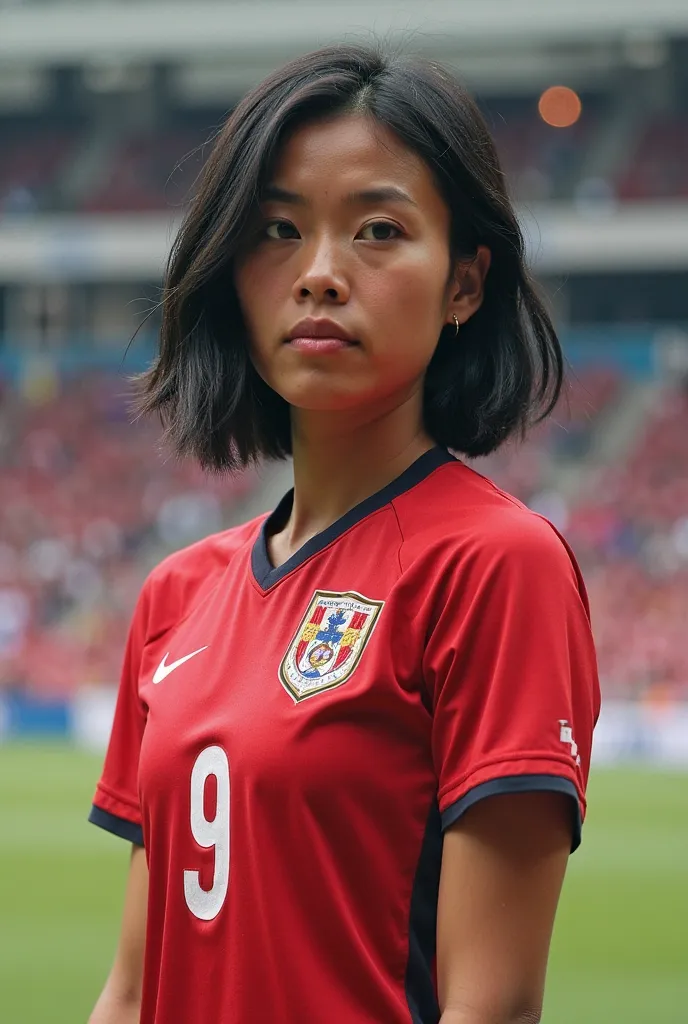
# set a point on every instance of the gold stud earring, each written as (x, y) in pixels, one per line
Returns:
(456, 321)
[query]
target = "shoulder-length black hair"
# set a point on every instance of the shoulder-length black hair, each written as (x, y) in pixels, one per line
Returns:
(505, 370)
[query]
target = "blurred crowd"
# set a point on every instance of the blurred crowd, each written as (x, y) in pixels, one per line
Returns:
(155, 170)
(91, 501)
(631, 533)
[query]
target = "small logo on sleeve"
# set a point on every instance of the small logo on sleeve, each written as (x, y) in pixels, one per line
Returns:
(566, 736)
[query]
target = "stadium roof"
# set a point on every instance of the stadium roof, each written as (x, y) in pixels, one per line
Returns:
(71, 32)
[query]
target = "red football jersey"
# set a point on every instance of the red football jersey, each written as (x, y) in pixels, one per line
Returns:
(290, 743)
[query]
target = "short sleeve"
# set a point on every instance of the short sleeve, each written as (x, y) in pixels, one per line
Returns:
(511, 671)
(116, 803)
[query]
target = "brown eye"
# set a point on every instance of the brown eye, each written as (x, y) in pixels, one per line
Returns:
(381, 231)
(277, 226)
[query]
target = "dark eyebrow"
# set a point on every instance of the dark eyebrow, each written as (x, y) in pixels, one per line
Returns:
(386, 193)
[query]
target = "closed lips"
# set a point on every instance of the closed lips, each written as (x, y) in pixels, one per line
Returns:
(319, 329)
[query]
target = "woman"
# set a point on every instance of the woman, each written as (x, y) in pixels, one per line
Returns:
(352, 736)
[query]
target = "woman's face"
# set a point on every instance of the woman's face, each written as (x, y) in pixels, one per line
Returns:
(332, 244)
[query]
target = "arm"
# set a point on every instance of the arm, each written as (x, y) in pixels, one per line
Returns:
(502, 870)
(120, 1000)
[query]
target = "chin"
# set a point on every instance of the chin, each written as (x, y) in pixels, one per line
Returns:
(327, 403)
(327, 398)
(326, 392)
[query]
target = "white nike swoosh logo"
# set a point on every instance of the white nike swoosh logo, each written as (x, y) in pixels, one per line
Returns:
(163, 669)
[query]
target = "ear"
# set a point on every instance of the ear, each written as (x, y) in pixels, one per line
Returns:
(468, 286)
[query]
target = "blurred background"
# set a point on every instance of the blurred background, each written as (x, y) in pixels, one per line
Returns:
(106, 112)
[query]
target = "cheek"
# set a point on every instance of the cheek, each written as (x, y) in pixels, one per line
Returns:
(407, 302)
(248, 289)
(254, 303)
(259, 300)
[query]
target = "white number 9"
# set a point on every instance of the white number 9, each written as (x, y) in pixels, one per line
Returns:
(206, 904)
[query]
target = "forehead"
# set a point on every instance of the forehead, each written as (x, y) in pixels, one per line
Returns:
(350, 151)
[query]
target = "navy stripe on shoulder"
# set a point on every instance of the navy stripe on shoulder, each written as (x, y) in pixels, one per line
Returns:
(518, 784)
(118, 826)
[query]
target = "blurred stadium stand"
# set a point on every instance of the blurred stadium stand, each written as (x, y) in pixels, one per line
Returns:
(155, 169)
(89, 504)
(101, 145)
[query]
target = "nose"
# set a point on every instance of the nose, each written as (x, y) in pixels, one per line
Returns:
(321, 274)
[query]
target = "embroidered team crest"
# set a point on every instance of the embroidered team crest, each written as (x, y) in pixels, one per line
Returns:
(329, 643)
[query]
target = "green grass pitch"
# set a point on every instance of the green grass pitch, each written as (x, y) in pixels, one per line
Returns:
(620, 953)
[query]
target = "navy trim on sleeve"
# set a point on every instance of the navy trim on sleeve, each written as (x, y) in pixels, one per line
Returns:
(118, 826)
(518, 784)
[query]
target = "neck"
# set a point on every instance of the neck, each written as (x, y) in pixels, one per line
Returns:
(339, 464)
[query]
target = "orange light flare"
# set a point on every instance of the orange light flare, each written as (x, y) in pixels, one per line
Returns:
(560, 106)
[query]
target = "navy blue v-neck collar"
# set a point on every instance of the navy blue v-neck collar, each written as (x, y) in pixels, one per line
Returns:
(266, 575)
